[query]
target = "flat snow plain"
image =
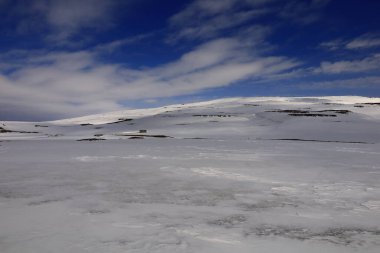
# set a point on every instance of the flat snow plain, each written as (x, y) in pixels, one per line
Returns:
(230, 175)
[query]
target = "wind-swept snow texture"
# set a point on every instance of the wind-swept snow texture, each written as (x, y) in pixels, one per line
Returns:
(231, 175)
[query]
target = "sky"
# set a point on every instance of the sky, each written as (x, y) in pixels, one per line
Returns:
(67, 58)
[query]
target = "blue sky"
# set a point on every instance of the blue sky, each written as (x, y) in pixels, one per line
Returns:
(65, 58)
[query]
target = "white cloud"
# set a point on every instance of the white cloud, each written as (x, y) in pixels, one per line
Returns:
(68, 84)
(72, 14)
(332, 45)
(116, 44)
(67, 17)
(354, 83)
(212, 7)
(303, 12)
(205, 19)
(364, 41)
(355, 66)
(60, 20)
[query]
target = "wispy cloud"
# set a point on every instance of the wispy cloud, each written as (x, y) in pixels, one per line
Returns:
(77, 84)
(363, 65)
(353, 83)
(303, 12)
(59, 21)
(116, 44)
(333, 45)
(205, 19)
(67, 17)
(365, 41)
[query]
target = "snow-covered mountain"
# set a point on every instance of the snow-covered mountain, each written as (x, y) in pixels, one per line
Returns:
(346, 119)
(229, 175)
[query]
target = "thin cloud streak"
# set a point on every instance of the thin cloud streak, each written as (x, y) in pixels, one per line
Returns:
(303, 12)
(77, 84)
(61, 22)
(365, 41)
(364, 65)
(205, 19)
(353, 83)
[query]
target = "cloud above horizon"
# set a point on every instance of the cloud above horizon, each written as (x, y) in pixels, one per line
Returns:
(365, 41)
(81, 57)
(61, 20)
(78, 84)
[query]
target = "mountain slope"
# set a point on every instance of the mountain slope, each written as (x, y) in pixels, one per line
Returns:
(350, 119)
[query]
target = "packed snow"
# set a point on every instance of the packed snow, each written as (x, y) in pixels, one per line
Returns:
(229, 175)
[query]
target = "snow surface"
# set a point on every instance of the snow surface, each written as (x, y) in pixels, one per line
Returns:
(230, 175)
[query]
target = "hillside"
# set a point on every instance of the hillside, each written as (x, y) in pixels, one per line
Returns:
(346, 119)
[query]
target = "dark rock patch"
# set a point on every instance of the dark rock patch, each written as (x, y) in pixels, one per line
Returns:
(120, 120)
(213, 115)
(3, 130)
(336, 111)
(55, 135)
(290, 111)
(294, 139)
(331, 104)
(366, 104)
(195, 138)
(299, 113)
(311, 115)
(92, 139)
(146, 135)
